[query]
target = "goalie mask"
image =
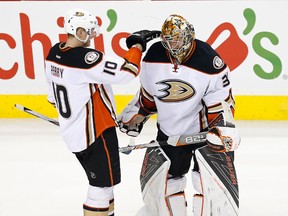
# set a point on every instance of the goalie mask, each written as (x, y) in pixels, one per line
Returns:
(177, 36)
(79, 18)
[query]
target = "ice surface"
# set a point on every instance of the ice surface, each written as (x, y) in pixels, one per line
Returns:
(39, 176)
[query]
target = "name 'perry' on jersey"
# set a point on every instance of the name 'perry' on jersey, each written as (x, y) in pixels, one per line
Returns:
(79, 84)
(187, 96)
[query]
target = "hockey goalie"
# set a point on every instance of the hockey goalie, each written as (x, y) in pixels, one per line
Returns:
(187, 84)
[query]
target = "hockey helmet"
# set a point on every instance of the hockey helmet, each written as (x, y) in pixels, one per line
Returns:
(76, 18)
(177, 36)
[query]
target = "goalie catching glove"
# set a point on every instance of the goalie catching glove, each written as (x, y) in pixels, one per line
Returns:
(142, 37)
(223, 137)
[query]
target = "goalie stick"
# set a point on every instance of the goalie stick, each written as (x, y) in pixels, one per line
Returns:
(183, 139)
(36, 114)
(173, 141)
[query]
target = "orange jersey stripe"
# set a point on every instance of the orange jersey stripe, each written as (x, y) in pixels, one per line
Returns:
(132, 58)
(133, 55)
(102, 116)
(108, 159)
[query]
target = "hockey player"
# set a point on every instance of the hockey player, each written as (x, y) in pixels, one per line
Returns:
(184, 81)
(79, 81)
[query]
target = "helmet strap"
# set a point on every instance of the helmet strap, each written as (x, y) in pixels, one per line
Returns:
(83, 41)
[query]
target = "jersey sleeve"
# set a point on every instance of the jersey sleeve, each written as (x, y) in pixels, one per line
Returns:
(146, 99)
(112, 70)
(219, 89)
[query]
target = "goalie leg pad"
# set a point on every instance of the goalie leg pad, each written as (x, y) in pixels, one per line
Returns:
(162, 197)
(197, 198)
(196, 181)
(153, 179)
(176, 197)
(219, 183)
(198, 205)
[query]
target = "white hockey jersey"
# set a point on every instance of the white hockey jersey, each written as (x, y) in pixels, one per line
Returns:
(79, 84)
(187, 96)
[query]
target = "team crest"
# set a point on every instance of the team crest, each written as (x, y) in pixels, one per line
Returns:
(91, 57)
(175, 91)
(217, 62)
(79, 14)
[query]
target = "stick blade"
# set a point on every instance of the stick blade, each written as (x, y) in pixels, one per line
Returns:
(126, 152)
(19, 107)
(131, 144)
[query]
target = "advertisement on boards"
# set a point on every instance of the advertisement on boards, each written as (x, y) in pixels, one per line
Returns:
(249, 36)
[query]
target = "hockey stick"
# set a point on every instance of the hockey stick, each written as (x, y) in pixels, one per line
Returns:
(172, 141)
(38, 115)
(183, 139)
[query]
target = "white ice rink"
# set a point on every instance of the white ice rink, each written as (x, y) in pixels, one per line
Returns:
(40, 177)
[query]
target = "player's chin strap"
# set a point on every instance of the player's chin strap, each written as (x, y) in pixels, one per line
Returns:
(89, 33)
(83, 41)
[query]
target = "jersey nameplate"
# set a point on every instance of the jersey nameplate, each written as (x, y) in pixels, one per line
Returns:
(56, 71)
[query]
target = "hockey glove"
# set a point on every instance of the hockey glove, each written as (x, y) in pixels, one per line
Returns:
(142, 37)
(130, 121)
(133, 126)
(223, 138)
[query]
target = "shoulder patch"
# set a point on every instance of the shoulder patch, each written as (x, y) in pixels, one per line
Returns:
(91, 57)
(217, 62)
